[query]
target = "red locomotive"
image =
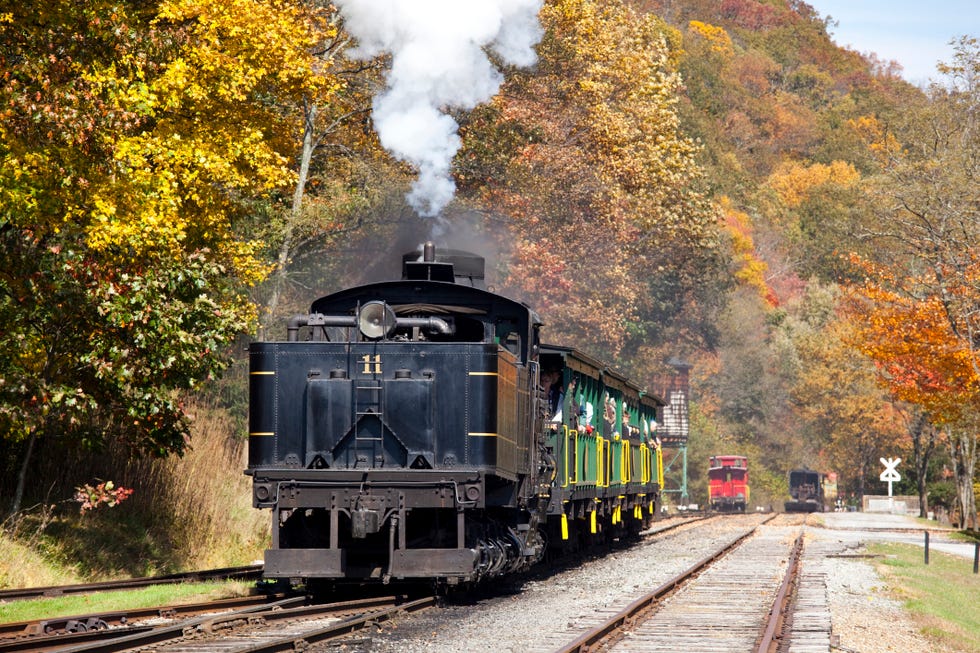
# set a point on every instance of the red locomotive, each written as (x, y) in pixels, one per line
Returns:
(728, 483)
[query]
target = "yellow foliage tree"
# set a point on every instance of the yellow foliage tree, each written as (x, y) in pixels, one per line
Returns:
(838, 397)
(719, 40)
(751, 270)
(600, 186)
(794, 182)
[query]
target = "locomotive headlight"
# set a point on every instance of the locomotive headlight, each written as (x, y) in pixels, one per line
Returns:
(376, 319)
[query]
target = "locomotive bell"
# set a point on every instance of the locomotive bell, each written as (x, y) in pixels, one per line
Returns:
(376, 319)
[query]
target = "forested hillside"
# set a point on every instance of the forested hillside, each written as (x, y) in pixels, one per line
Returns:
(712, 181)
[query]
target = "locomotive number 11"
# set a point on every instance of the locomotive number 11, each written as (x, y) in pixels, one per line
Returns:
(368, 360)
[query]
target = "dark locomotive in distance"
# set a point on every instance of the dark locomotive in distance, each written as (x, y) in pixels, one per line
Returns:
(806, 491)
(419, 429)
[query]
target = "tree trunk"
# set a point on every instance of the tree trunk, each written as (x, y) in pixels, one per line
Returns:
(22, 475)
(924, 438)
(963, 450)
(285, 249)
(860, 479)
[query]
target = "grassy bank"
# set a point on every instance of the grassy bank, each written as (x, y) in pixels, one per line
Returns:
(941, 596)
(185, 513)
(120, 600)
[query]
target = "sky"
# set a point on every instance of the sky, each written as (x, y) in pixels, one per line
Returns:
(915, 33)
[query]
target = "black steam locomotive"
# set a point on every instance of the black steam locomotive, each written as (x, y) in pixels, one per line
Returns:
(418, 429)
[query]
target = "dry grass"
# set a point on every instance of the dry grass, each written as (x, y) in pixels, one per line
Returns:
(120, 600)
(20, 566)
(208, 497)
(186, 513)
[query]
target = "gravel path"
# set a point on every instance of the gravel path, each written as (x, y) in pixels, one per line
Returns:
(864, 618)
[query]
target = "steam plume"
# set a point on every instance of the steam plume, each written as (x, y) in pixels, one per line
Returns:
(438, 63)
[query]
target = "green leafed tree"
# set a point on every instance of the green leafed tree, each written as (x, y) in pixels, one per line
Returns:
(133, 136)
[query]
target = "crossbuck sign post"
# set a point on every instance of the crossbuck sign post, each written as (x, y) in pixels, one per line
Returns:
(890, 474)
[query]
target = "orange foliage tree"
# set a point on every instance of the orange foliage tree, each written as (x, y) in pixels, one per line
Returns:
(920, 304)
(920, 345)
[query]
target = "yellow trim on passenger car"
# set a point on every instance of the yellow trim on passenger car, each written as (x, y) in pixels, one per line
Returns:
(600, 476)
(262, 433)
(261, 372)
(644, 464)
(484, 374)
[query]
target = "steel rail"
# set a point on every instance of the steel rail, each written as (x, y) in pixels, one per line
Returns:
(605, 632)
(162, 634)
(100, 620)
(249, 572)
(300, 642)
(209, 624)
(779, 612)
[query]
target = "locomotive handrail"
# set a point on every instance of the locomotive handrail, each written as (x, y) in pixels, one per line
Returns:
(660, 467)
(316, 319)
(570, 451)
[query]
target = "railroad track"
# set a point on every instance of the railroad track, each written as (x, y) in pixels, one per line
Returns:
(295, 631)
(284, 627)
(747, 596)
(549, 611)
(17, 636)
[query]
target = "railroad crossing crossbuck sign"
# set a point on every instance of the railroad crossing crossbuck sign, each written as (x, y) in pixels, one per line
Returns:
(890, 474)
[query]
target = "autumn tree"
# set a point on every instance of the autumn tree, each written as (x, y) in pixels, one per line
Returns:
(922, 361)
(814, 207)
(926, 439)
(920, 304)
(132, 137)
(607, 225)
(343, 178)
(851, 418)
